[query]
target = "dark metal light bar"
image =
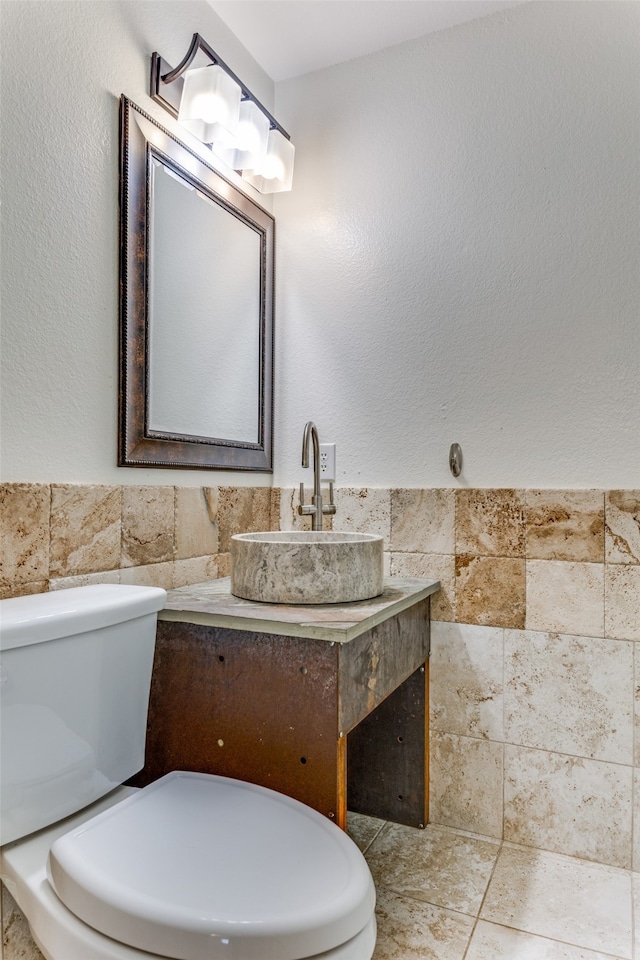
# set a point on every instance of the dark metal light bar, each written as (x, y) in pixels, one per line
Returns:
(166, 81)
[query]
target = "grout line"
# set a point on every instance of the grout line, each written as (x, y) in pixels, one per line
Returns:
(2, 931)
(385, 823)
(471, 935)
(634, 953)
(495, 864)
(526, 746)
(597, 864)
(504, 721)
(635, 799)
(542, 936)
(484, 897)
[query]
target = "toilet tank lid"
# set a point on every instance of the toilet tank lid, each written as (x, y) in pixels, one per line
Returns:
(48, 616)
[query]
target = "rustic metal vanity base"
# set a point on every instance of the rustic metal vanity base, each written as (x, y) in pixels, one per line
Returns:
(328, 723)
(388, 756)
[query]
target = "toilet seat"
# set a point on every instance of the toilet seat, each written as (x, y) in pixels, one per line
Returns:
(240, 871)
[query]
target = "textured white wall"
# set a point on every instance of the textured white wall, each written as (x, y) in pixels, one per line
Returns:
(459, 257)
(64, 66)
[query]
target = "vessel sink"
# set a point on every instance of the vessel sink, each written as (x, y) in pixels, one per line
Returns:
(323, 566)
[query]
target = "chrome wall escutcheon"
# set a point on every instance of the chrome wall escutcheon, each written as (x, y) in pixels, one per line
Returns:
(455, 459)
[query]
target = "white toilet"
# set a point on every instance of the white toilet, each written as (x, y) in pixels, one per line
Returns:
(192, 867)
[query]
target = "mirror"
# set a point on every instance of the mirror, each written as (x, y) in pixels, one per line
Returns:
(196, 309)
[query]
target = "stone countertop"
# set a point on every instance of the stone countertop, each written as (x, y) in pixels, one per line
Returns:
(213, 604)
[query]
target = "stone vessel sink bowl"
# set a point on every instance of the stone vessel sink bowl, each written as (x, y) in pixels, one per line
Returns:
(323, 566)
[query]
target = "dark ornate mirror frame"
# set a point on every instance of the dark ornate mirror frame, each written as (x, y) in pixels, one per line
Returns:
(141, 139)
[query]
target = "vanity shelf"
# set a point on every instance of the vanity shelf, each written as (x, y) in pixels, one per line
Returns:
(327, 703)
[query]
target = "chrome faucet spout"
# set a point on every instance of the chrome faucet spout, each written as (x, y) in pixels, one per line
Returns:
(311, 433)
(316, 509)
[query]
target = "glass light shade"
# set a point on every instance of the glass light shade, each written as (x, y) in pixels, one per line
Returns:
(210, 103)
(275, 173)
(248, 148)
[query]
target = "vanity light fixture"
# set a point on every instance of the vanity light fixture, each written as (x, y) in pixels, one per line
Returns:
(275, 172)
(210, 104)
(216, 107)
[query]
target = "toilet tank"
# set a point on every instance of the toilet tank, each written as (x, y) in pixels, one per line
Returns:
(75, 675)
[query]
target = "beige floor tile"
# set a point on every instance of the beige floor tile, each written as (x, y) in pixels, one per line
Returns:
(363, 830)
(410, 930)
(433, 865)
(466, 680)
(584, 904)
(493, 942)
(16, 936)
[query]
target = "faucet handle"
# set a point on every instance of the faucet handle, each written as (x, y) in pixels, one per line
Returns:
(304, 509)
(329, 508)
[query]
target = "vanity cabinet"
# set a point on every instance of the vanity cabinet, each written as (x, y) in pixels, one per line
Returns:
(328, 704)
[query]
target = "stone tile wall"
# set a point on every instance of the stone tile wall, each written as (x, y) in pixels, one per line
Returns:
(535, 672)
(62, 535)
(535, 675)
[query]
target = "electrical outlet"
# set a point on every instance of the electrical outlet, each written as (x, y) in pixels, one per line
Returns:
(328, 461)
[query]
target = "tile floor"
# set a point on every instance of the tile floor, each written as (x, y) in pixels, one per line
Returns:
(444, 894)
(448, 895)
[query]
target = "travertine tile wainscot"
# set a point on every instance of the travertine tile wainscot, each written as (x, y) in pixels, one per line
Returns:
(535, 668)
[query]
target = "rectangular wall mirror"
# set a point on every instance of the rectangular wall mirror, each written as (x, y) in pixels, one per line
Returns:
(196, 309)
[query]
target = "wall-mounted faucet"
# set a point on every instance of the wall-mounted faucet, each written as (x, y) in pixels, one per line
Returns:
(317, 509)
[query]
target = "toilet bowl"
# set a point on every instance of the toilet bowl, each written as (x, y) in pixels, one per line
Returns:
(191, 867)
